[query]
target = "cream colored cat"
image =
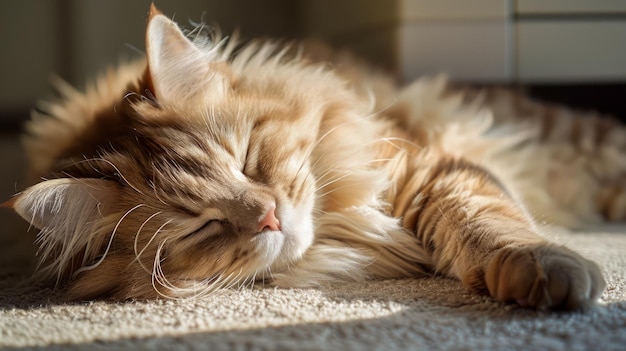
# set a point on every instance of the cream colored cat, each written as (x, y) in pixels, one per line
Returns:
(205, 167)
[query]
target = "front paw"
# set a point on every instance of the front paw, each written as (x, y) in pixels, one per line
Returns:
(544, 276)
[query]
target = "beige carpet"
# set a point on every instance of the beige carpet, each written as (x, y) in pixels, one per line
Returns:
(432, 313)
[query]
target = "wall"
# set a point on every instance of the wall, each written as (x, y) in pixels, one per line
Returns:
(77, 38)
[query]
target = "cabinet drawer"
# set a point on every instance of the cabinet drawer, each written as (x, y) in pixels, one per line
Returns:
(569, 7)
(571, 50)
(411, 10)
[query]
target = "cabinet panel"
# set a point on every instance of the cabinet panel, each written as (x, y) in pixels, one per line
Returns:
(466, 51)
(571, 50)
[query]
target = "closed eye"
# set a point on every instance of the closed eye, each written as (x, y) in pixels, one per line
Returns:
(210, 228)
(250, 162)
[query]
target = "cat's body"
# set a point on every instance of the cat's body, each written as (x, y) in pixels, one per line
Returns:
(208, 169)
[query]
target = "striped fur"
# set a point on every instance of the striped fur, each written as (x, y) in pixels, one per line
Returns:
(164, 168)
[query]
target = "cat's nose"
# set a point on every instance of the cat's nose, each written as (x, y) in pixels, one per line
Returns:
(269, 220)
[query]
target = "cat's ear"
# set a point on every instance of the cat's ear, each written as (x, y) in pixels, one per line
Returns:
(70, 214)
(62, 205)
(177, 68)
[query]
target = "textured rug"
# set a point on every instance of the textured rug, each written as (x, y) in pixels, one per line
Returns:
(431, 313)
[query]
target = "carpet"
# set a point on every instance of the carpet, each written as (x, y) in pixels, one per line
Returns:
(425, 314)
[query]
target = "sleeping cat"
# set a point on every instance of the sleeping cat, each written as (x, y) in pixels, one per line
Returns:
(208, 166)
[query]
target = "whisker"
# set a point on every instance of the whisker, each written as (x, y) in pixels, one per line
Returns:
(330, 182)
(406, 141)
(233, 281)
(138, 256)
(343, 187)
(386, 140)
(157, 272)
(106, 251)
(325, 135)
(119, 173)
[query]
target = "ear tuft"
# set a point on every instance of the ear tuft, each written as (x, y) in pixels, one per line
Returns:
(9, 203)
(153, 11)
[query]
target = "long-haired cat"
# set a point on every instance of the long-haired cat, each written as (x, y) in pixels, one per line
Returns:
(210, 165)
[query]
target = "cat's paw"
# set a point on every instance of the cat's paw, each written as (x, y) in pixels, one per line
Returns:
(544, 276)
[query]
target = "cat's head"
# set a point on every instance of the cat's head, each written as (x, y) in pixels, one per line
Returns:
(202, 179)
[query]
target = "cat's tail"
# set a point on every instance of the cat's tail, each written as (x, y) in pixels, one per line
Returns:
(584, 154)
(568, 167)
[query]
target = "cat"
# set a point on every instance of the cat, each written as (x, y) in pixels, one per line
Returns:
(209, 165)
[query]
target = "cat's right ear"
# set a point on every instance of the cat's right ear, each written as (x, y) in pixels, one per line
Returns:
(177, 68)
(62, 204)
(71, 215)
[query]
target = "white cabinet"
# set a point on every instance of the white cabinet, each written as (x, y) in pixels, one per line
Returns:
(482, 40)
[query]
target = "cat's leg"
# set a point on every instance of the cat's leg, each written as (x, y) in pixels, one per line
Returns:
(477, 232)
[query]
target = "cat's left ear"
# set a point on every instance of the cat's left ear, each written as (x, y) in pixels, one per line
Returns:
(177, 68)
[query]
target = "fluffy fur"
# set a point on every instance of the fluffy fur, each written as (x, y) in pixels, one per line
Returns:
(163, 175)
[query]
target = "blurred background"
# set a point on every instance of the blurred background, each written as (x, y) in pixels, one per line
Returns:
(570, 51)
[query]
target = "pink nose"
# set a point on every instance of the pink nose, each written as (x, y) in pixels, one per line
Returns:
(268, 221)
